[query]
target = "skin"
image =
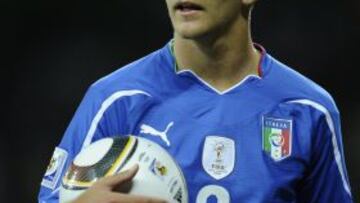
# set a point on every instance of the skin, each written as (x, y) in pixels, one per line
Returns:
(103, 190)
(216, 44)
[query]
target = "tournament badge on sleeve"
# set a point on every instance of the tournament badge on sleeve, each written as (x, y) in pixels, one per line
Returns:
(54, 169)
(218, 157)
(277, 137)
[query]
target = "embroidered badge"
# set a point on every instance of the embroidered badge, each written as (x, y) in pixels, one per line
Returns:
(55, 168)
(277, 137)
(218, 157)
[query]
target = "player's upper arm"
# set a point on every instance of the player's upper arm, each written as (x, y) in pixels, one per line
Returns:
(99, 115)
(326, 179)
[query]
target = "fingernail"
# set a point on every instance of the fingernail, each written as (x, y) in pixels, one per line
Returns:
(132, 168)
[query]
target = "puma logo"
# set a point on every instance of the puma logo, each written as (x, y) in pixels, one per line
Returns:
(146, 129)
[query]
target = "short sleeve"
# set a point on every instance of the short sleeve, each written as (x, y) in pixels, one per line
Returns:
(326, 179)
(89, 123)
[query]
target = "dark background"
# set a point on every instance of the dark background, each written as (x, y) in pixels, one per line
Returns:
(55, 49)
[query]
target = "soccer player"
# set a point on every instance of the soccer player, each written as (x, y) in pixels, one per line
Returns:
(243, 126)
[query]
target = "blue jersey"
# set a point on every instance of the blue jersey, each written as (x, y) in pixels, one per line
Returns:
(273, 137)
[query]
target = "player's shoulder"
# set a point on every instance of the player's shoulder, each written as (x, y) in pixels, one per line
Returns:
(126, 76)
(292, 86)
(139, 75)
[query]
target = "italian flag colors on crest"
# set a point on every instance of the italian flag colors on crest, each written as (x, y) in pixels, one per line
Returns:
(277, 137)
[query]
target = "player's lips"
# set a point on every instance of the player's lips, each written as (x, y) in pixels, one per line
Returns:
(187, 7)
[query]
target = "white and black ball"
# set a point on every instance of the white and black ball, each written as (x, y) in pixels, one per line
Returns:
(158, 176)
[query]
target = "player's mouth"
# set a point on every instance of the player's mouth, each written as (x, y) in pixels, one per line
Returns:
(187, 8)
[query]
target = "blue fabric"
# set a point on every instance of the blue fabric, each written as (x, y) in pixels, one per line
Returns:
(309, 174)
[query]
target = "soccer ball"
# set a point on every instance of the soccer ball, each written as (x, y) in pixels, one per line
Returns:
(158, 176)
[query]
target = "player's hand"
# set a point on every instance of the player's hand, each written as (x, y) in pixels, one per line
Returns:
(103, 190)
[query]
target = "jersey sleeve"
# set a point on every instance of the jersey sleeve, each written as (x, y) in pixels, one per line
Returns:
(90, 122)
(326, 180)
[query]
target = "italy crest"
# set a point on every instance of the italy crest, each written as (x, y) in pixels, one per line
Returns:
(277, 137)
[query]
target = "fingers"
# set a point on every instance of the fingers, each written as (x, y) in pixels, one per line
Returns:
(112, 181)
(121, 198)
(104, 190)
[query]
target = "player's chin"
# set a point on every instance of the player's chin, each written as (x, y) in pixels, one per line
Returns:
(191, 30)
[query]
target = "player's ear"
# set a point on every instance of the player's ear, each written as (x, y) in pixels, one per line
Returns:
(247, 6)
(249, 2)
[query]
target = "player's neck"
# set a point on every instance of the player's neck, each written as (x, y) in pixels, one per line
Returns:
(221, 61)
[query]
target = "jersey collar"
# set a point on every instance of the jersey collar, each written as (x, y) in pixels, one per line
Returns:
(172, 65)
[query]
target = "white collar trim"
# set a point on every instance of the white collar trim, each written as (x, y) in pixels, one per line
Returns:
(213, 88)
